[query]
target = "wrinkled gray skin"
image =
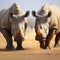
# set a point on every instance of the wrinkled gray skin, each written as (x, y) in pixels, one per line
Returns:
(46, 26)
(41, 28)
(13, 24)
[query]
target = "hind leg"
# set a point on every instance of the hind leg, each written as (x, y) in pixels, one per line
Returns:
(8, 36)
(57, 40)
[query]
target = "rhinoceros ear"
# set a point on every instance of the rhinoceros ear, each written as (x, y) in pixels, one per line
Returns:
(49, 14)
(11, 15)
(27, 14)
(34, 13)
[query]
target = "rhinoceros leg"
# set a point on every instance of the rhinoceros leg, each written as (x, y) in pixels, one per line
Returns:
(8, 36)
(57, 40)
(48, 38)
(19, 46)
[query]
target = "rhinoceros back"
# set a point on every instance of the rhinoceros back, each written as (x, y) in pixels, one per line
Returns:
(56, 11)
(2, 12)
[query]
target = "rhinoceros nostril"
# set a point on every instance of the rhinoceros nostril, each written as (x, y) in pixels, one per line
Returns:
(18, 33)
(44, 38)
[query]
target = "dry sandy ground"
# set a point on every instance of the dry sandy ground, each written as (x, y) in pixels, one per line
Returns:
(32, 52)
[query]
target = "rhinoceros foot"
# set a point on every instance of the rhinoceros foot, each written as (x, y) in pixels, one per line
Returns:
(20, 48)
(10, 47)
(48, 47)
(56, 45)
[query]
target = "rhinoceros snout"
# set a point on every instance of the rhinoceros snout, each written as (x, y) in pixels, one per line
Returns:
(37, 38)
(18, 39)
(40, 37)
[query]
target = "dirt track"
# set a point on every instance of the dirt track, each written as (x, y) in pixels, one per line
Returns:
(32, 52)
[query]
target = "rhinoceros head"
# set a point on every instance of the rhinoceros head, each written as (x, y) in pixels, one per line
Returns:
(18, 26)
(17, 22)
(41, 27)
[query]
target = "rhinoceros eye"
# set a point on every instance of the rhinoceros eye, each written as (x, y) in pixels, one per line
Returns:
(40, 27)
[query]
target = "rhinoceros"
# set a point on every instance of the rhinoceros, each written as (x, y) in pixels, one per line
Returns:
(13, 23)
(47, 25)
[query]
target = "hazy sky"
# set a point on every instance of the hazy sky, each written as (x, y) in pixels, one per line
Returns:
(28, 4)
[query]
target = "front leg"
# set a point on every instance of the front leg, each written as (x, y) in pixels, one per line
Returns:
(57, 38)
(8, 36)
(19, 46)
(49, 37)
